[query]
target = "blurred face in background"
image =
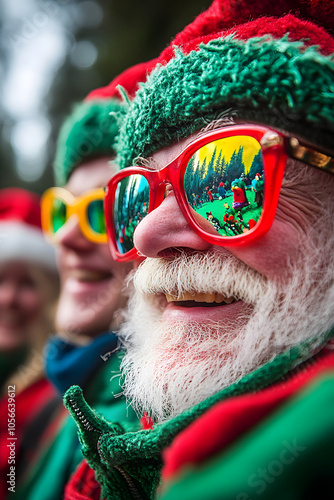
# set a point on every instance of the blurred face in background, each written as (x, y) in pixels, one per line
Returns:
(21, 304)
(91, 282)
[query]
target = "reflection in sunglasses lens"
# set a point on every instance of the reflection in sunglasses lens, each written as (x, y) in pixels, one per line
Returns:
(96, 219)
(131, 205)
(58, 214)
(224, 185)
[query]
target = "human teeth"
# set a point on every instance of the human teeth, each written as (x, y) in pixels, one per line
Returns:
(88, 275)
(200, 297)
(227, 300)
(170, 298)
(204, 297)
(220, 298)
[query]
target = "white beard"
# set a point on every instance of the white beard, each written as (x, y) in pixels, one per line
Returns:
(169, 369)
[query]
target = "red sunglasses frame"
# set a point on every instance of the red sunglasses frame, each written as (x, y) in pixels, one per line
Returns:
(274, 151)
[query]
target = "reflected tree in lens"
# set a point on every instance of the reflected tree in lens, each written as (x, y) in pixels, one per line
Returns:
(224, 185)
(131, 205)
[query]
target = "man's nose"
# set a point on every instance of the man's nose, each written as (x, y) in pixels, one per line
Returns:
(165, 228)
(70, 236)
(9, 294)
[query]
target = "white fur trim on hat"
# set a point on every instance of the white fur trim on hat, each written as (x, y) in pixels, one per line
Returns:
(25, 243)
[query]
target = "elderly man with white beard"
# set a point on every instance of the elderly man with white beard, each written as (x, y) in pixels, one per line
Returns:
(228, 335)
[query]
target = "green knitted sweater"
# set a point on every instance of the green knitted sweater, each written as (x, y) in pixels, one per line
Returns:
(60, 457)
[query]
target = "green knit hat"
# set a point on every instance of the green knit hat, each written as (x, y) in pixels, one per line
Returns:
(91, 129)
(89, 132)
(276, 70)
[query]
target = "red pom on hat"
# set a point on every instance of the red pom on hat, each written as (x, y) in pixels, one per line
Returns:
(245, 18)
(21, 236)
(20, 205)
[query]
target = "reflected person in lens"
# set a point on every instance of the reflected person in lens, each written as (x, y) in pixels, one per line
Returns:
(225, 162)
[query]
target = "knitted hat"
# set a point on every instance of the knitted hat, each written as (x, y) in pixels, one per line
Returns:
(90, 130)
(267, 62)
(21, 236)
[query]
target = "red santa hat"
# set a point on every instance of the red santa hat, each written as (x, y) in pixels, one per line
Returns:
(21, 236)
(266, 62)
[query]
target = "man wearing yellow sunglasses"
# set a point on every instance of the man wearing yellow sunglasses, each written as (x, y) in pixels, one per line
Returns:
(230, 333)
(85, 349)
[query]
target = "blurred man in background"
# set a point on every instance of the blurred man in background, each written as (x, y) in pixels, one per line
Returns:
(229, 336)
(85, 349)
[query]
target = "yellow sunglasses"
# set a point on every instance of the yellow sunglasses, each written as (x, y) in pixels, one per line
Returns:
(58, 205)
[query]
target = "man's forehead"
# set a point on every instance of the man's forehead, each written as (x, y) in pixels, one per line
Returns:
(167, 154)
(91, 174)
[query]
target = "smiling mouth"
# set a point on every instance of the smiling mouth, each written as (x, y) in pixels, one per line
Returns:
(11, 320)
(89, 276)
(200, 299)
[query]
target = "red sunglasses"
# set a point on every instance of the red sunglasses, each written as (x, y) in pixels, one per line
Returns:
(226, 182)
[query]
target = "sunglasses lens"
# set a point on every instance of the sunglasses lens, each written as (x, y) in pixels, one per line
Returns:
(96, 219)
(58, 214)
(131, 205)
(224, 185)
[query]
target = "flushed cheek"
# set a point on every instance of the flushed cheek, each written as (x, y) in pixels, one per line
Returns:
(31, 303)
(120, 271)
(274, 253)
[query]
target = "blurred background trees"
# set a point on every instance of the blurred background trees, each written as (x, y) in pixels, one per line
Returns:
(53, 52)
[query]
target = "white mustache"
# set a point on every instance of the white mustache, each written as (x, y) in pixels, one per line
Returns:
(209, 272)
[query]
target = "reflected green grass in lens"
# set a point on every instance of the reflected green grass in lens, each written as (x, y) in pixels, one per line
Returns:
(96, 219)
(218, 210)
(58, 215)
